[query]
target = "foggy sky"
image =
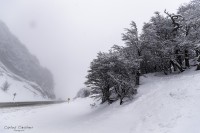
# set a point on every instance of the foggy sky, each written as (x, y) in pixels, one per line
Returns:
(66, 35)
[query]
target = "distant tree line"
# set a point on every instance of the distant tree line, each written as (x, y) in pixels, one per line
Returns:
(168, 43)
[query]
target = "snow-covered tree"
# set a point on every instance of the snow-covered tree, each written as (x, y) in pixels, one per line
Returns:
(131, 38)
(112, 76)
(191, 23)
(159, 42)
(82, 93)
(166, 41)
(133, 50)
(191, 27)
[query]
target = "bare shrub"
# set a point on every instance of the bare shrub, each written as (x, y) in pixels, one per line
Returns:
(5, 86)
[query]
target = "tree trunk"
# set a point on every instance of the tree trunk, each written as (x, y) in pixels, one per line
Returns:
(176, 65)
(106, 95)
(121, 101)
(137, 77)
(198, 66)
(198, 63)
(187, 64)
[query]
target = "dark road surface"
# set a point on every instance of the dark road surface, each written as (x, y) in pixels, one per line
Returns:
(20, 104)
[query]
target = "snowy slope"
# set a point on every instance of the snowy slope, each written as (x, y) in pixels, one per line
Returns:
(19, 60)
(164, 104)
(25, 90)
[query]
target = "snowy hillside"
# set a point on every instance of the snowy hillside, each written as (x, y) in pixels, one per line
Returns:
(164, 104)
(24, 90)
(19, 60)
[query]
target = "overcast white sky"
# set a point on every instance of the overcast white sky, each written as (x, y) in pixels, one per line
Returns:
(67, 34)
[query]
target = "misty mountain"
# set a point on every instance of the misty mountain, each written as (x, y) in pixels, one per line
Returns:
(17, 59)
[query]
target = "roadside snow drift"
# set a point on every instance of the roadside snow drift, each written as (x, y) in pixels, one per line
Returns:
(164, 104)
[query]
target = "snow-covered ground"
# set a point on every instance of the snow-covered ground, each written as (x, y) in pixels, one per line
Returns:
(24, 89)
(164, 104)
